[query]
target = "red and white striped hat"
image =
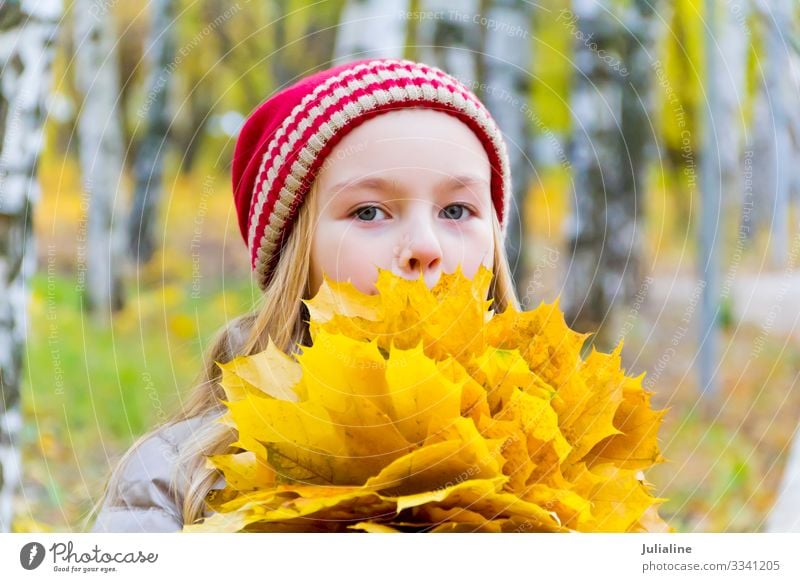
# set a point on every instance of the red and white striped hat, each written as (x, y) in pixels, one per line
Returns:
(285, 140)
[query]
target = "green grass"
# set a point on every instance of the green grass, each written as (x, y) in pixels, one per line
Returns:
(116, 381)
(89, 390)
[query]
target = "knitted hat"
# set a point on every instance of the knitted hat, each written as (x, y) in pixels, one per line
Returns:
(285, 140)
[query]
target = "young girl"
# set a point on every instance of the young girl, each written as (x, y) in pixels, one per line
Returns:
(375, 163)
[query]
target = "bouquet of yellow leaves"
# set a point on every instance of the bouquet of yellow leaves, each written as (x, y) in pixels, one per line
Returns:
(420, 409)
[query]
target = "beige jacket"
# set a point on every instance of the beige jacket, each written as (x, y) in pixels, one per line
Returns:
(145, 502)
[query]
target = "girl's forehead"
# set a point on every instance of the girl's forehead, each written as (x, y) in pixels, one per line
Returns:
(409, 144)
(414, 122)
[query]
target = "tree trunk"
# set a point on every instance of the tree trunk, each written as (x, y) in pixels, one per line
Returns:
(448, 38)
(772, 165)
(101, 157)
(26, 52)
(507, 57)
(607, 152)
(189, 141)
(734, 42)
(784, 127)
(371, 28)
(148, 167)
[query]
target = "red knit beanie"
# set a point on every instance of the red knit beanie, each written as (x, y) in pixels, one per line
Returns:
(285, 140)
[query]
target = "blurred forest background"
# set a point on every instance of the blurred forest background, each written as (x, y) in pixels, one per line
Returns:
(655, 151)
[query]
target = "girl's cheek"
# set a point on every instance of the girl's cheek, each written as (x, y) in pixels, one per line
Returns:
(364, 276)
(358, 258)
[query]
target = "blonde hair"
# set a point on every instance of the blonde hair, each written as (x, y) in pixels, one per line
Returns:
(279, 315)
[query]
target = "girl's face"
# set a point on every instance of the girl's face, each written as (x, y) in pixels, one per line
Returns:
(407, 191)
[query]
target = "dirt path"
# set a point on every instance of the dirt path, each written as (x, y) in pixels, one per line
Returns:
(770, 301)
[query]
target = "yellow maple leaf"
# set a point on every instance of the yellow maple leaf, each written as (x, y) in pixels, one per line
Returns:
(420, 409)
(636, 445)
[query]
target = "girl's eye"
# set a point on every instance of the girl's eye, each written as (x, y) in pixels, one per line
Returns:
(368, 213)
(455, 211)
(372, 213)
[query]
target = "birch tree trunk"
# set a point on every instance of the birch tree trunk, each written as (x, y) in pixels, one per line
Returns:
(27, 32)
(734, 42)
(507, 57)
(101, 156)
(371, 28)
(710, 210)
(783, 90)
(607, 151)
(148, 167)
(772, 169)
(449, 38)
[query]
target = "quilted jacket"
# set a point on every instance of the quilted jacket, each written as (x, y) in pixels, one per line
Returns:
(144, 502)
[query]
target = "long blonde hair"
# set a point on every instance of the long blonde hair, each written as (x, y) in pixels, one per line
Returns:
(280, 315)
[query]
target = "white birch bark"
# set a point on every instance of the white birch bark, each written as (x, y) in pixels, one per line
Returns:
(507, 60)
(371, 29)
(784, 85)
(608, 155)
(448, 37)
(101, 155)
(148, 167)
(775, 123)
(27, 32)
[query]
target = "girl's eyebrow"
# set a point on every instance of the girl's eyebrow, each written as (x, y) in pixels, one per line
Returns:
(370, 183)
(374, 183)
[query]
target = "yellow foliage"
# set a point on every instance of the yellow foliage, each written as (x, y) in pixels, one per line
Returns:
(421, 409)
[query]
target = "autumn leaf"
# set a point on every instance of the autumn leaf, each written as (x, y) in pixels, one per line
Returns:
(636, 446)
(421, 409)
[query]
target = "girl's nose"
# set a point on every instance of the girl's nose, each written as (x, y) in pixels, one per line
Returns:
(418, 252)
